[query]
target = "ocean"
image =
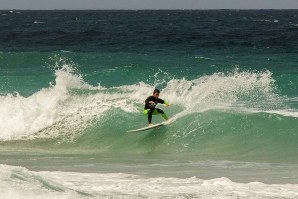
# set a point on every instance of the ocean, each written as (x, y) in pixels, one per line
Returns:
(73, 82)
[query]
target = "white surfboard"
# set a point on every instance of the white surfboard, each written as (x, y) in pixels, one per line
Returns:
(147, 127)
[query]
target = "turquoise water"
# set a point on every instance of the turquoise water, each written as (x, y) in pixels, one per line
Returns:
(220, 109)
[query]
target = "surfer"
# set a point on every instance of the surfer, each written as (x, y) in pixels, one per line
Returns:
(150, 108)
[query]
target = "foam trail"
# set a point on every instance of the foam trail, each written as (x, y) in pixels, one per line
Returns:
(221, 89)
(235, 91)
(18, 182)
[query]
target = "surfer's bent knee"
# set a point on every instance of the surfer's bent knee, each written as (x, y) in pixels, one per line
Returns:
(153, 111)
(160, 111)
(146, 111)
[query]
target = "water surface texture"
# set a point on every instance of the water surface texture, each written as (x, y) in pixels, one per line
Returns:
(73, 82)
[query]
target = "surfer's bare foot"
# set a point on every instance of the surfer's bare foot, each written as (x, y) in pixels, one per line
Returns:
(150, 124)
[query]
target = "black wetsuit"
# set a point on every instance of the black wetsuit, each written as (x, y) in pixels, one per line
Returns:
(151, 106)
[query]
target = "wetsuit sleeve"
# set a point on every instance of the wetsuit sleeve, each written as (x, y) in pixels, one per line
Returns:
(147, 100)
(162, 101)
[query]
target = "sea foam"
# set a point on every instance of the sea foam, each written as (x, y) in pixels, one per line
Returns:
(19, 182)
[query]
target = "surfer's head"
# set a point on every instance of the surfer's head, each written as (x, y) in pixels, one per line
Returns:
(156, 93)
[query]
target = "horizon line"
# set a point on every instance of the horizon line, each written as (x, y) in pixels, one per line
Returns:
(151, 9)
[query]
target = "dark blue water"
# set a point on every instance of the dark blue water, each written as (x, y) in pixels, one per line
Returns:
(153, 31)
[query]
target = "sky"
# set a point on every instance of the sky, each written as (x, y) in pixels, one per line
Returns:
(147, 4)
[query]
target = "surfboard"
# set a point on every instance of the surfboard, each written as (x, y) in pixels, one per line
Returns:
(147, 127)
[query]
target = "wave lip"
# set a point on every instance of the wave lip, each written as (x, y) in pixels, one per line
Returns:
(23, 116)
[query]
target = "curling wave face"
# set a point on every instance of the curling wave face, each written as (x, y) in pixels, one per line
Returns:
(234, 111)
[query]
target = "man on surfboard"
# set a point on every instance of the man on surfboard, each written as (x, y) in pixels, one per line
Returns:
(150, 108)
